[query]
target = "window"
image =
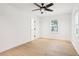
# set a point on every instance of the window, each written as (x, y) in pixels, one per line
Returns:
(54, 25)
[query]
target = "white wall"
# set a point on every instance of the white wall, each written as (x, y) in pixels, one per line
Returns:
(64, 27)
(75, 37)
(14, 27)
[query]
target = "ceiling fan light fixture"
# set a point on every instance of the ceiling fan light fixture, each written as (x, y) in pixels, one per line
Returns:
(44, 7)
(42, 10)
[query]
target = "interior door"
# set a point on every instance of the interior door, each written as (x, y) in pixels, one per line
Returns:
(34, 28)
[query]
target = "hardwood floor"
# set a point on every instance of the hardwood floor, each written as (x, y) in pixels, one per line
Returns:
(42, 47)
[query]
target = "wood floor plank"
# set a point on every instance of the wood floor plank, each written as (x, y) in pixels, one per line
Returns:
(42, 47)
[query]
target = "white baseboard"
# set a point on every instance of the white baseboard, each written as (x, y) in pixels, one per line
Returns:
(76, 45)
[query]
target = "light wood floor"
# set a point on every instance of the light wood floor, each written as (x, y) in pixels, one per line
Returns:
(42, 47)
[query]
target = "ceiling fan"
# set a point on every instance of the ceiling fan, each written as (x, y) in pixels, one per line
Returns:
(43, 7)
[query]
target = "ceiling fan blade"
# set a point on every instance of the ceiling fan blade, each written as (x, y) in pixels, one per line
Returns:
(35, 9)
(49, 5)
(49, 10)
(37, 5)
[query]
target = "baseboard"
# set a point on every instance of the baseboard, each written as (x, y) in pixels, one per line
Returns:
(76, 46)
(52, 38)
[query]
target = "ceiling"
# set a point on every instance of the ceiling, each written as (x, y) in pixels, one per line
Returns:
(57, 7)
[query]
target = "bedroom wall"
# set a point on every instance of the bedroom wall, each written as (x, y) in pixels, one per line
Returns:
(14, 27)
(75, 36)
(64, 27)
